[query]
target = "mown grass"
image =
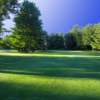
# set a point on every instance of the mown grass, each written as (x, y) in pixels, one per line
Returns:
(50, 75)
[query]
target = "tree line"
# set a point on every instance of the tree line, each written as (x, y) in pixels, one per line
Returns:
(28, 34)
(85, 38)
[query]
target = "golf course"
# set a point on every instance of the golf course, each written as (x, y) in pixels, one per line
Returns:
(50, 75)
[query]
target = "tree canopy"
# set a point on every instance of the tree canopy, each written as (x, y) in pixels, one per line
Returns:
(56, 41)
(28, 33)
(6, 6)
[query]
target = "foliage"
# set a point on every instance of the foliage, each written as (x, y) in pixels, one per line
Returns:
(28, 34)
(70, 41)
(91, 36)
(6, 6)
(5, 43)
(77, 34)
(86, 38)
(28, 31)
(96, 37)
(56, 41)
(88, 32)
(73, 39)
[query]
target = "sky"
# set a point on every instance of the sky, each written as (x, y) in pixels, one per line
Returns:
(62, 15)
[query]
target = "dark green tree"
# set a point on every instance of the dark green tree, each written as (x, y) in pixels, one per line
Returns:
(6, 7)
(70, 42)
(56, 41)
(28, 34)
(76, 32)
(73, 39)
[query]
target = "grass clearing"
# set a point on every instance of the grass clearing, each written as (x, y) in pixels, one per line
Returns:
(50, 75)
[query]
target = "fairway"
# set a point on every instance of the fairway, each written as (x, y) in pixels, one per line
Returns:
(52, 75)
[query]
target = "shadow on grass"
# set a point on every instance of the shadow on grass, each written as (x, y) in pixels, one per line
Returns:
(74, 74)
(10, 91)
(50, 66)
(45, 66)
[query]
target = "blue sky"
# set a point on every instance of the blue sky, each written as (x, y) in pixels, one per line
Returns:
(61, 15)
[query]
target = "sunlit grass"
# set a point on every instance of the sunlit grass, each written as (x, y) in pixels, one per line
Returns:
(50, 76)
(58, 86)
(50, 86)
(54, 54)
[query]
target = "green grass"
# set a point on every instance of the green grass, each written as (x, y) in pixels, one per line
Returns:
(53, 75)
